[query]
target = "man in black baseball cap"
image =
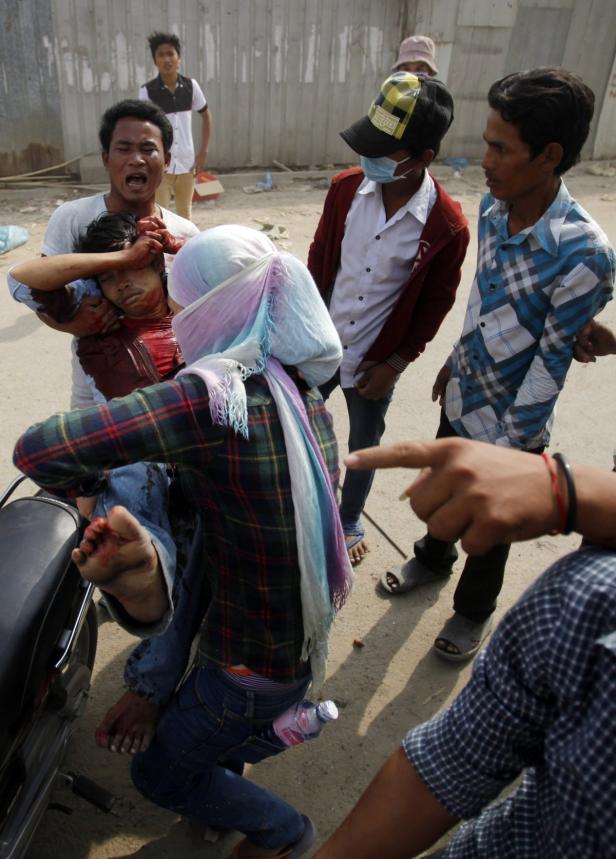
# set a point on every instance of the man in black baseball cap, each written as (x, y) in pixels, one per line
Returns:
(411, 111)
(387, 256)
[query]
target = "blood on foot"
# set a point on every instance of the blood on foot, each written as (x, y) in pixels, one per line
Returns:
(101, 540)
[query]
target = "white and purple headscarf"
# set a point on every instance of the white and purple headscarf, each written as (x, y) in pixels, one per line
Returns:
(250, 309)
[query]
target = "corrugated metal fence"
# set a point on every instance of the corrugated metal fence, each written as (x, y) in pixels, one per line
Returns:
(282, 77)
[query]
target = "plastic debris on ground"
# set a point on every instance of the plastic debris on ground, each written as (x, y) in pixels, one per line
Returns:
(265, 184)
(598, 168)
(276, 232)
(12, 237)
(456, 163)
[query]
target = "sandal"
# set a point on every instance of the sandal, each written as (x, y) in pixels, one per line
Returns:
(352, 540)
(292, 852)
(461, 638)
(410, 575)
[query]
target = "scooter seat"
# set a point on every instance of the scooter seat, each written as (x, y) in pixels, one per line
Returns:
(38, 585)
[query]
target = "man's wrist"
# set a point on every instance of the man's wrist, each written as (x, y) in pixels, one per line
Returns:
(109, 260)
(397, 363)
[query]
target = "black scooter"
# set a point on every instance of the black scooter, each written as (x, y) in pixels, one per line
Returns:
(48, 636)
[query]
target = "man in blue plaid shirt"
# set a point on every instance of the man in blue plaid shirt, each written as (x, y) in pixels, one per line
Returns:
(544, 269)
(541, 699)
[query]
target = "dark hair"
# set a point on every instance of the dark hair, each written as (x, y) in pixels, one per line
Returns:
(432, 116)
(155, 40)
(108, 232)
(546, 105)
(111, 232)
(135, 109)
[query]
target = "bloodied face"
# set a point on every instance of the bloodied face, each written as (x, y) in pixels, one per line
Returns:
(137, 292)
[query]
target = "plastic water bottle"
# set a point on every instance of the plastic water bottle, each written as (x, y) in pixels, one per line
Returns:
(266, 184)
(303, 722)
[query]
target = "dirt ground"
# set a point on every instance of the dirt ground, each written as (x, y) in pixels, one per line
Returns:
(394, 681)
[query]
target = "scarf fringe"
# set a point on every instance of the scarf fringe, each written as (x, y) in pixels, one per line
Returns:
(280, 289)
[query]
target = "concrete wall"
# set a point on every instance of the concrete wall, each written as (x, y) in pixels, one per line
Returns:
(282, 76)
(482, 40)
(30, 125)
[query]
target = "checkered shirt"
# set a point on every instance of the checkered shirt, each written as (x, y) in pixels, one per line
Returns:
(532, 292)
(241, 487)
(541, 701)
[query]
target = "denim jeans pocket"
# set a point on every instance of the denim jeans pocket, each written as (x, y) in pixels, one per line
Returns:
(202, 690)
(189, 739)
(259, 745)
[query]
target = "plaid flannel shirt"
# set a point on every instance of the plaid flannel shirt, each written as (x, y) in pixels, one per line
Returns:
(241, 488)
(541, 702)
(532, 293)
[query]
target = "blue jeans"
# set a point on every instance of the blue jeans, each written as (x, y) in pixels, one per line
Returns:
(483, 575)
(208, 731)
(156, 666)
(366, 427)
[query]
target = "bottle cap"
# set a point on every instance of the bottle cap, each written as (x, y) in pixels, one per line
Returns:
(327, 711)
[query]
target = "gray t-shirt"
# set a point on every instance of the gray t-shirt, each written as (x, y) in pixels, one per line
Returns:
(65, 226)
(70, 220)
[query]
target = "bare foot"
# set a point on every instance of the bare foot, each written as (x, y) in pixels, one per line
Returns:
(357, 549)
(129, 726)
(117, 555)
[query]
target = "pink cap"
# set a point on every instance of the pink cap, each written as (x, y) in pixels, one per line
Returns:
(417, 49)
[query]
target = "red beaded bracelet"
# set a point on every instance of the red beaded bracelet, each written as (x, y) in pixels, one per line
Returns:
(562, 510)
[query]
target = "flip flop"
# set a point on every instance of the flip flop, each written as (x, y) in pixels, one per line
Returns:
(465, 635)
(292, 852)
(410, 575)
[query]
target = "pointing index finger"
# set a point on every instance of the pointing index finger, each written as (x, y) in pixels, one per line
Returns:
(408, 454)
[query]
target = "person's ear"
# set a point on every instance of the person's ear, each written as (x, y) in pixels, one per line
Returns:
(167, 160)
(552, 155)
(105, 158)
(426, 158)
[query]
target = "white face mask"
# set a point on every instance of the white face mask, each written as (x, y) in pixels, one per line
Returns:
(382, 169)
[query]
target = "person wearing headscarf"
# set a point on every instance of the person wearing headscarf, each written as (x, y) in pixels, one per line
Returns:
(255, 455)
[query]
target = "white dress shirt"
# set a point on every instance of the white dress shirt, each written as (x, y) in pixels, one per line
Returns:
(376, 258)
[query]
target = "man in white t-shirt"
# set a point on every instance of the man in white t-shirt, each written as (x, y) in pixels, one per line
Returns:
(178, 96)
(136, 139)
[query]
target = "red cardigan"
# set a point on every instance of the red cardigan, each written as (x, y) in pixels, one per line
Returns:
(433, 279)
